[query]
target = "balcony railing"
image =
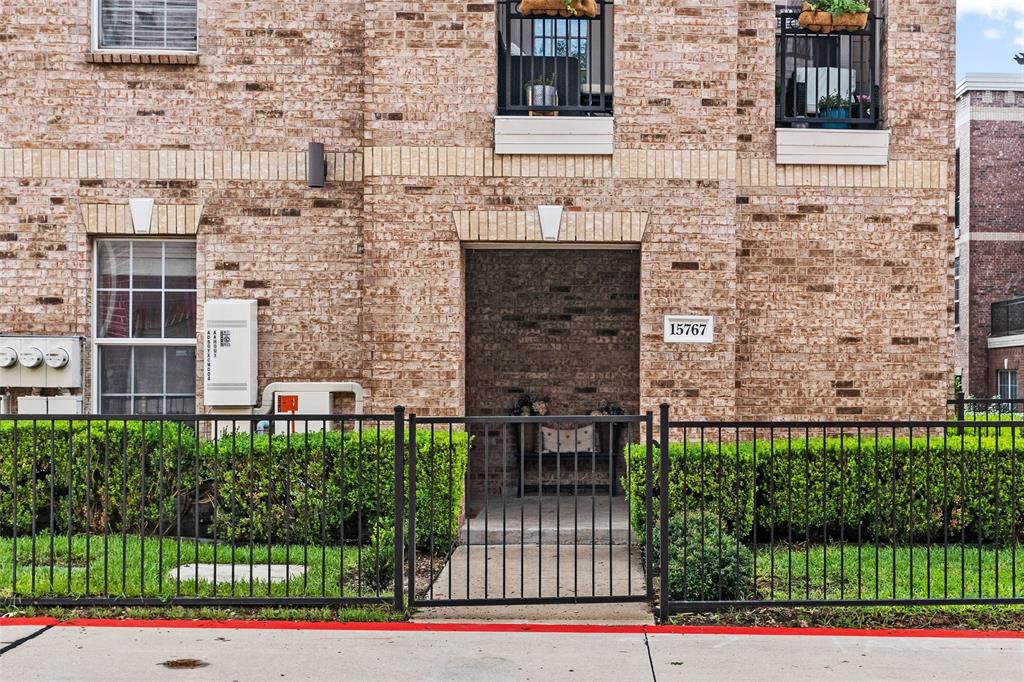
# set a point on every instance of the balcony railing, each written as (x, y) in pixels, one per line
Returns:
(826, 80)
(1008, 317)
(554, 65)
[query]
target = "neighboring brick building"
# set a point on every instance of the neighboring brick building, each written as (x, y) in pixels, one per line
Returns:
(823, 253)
(989, 260)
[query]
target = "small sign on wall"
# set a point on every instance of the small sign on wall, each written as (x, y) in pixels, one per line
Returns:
(689, 329)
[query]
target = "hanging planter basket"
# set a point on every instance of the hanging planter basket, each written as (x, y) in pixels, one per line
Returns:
(824, 22)
(558, 8)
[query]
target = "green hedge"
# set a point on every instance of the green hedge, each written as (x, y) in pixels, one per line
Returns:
(832, 487)
(280, 490)
(94, 474)
(140, 476)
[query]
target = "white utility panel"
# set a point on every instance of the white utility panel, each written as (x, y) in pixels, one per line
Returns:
(229, 362)
(300, 403)
(40, 362)
(58, 404)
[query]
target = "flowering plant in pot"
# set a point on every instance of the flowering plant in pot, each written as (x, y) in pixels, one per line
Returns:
(832, 107)
(559, 8)
(607, 407)
(529, 406)
(826, 16)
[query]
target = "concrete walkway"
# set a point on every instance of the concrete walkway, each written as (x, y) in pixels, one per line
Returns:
(549, 546)
(153, 653)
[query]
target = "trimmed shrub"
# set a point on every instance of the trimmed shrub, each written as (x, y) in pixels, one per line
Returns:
(141, 477)
(131, 476)
(705, 563)
(702, 480)
(834, 487)
(329, 487)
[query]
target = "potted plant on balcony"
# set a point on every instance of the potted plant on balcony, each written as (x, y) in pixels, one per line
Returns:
(559, 8)
(827, 16)
(833, 107)
(541, 92)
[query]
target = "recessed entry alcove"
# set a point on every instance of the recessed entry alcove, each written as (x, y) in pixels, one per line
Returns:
(558, 323)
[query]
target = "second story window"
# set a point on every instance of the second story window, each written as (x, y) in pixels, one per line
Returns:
(145, 25)
(826, 76)
(1008, 317)
(555, 57)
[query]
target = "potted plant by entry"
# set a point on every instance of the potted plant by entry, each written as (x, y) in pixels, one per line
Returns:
(827, 16)
(832, 108)
(559, 8)
(528, 406)
(609, 435)
(541, 92)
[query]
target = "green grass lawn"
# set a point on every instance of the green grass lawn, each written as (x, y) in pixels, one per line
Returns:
(849, 572)
(137, 568)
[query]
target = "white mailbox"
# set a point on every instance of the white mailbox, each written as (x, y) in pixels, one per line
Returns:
(229, 358)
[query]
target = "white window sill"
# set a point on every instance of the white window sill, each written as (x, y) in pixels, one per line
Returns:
(129, 57)
(554, 134)
(1006, 341)
(816, 146)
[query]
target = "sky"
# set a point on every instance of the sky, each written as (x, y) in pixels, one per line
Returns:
(988, 34)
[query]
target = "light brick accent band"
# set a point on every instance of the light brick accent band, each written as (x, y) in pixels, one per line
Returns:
(172, 165)
(576, 226)
(898, 173)
(673, 164)
(168, 219)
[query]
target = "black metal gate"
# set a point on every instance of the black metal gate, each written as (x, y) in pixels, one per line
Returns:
(529, 509)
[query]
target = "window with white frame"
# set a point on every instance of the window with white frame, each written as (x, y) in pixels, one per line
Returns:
(145, 25)
(1009, 389)
(145, 327)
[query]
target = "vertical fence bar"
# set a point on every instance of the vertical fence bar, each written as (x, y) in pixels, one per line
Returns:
(399, 503)
(649, 503)
(663, 513)
(412, 511)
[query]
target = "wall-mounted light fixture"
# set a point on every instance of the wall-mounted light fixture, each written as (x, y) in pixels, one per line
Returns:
(316, 165)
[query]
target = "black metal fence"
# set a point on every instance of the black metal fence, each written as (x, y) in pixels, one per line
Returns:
(544, 518)
(555, 62)
(1008, 317)
(139, 510)
(826, 80)
(417, 511)
(963, 408)
(839, 513)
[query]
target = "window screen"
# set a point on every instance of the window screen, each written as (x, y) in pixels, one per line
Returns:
(147, 25)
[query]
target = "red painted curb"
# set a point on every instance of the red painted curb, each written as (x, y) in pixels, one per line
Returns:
(513, 627)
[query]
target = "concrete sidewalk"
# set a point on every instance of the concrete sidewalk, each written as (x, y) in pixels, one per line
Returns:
(142, 653)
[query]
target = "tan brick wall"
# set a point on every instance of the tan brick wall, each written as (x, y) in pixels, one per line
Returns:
(364, 279)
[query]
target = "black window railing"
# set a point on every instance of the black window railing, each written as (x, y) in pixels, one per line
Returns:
(1008, 317)
(826, 80)
(552, 64)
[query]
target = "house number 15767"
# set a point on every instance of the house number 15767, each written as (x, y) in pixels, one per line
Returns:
(689, 329)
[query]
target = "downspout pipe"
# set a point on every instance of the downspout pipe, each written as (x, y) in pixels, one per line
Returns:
(267, 400)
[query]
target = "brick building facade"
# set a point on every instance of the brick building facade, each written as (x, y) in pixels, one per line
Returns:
(989, 259)
(828, 276)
